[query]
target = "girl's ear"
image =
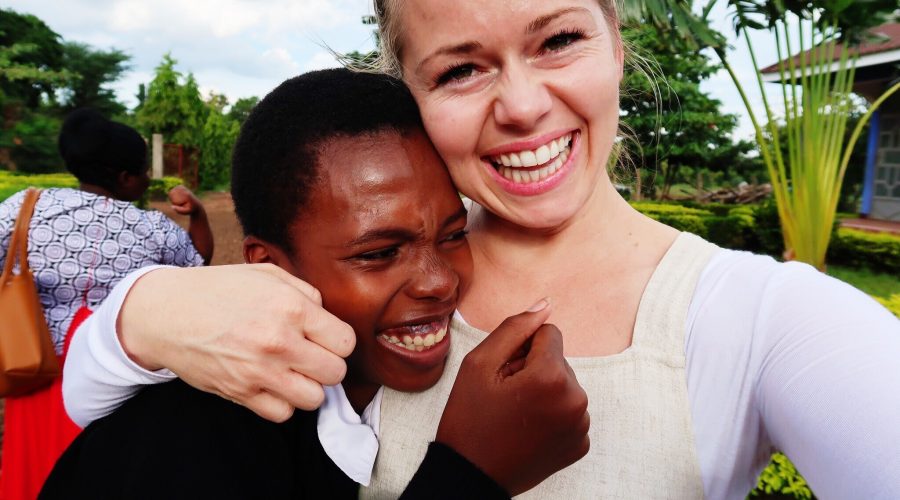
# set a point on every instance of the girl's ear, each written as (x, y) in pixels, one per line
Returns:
(257, 251)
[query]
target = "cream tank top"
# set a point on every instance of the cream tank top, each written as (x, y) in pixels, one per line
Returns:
(642, 443)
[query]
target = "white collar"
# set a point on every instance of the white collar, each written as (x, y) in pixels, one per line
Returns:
(349, 440)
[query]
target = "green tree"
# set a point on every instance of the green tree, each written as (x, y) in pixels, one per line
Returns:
(91, 71)
(219, 134)
(241, 109)
(31, 60)
(173, 106)
(662, 104)
(807, 181)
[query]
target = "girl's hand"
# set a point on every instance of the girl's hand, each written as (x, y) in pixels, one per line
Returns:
(251, 333)
(516, 409)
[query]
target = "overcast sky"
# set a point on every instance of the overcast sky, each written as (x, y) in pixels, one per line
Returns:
(245, 48)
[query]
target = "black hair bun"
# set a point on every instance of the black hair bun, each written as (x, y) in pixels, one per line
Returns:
(96, 150)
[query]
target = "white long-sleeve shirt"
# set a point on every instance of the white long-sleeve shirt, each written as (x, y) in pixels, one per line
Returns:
(778, 356)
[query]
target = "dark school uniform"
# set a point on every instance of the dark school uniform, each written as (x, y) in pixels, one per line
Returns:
(173, 441)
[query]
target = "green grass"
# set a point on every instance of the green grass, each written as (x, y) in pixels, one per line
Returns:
(12, 182)
(876, 284)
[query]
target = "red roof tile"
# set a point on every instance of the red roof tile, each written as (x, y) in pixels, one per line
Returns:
(890, 40)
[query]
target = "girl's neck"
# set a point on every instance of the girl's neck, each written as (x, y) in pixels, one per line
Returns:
(360, 393)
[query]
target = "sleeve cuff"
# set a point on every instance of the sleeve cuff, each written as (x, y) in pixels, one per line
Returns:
(445, 474)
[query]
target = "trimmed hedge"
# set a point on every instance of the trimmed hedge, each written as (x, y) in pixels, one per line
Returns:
(756, 228)
(13, 182)
(158, 190)
(877, 251)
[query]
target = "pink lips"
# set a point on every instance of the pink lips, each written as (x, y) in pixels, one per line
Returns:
(544, 185)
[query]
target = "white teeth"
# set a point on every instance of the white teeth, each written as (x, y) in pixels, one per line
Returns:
(417, 343)
(521, 176)
(554, 150)
(529, 159)
(542, 154)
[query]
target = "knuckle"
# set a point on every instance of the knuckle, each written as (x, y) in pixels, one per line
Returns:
(281, 412)
(312, 399)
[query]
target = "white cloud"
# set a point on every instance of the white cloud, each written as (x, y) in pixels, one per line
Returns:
(321, 60)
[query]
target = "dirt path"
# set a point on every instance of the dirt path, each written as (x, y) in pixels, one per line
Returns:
(226, 229)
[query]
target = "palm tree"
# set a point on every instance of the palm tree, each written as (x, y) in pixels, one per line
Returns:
(807, 178)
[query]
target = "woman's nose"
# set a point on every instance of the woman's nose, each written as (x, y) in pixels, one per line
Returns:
(522, 100)
(435, 279)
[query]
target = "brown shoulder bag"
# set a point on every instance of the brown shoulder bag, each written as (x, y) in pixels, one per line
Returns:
(27, 358)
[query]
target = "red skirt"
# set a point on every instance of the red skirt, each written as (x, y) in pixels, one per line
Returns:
(36, 432)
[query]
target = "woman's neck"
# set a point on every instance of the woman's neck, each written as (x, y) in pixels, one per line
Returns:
(604, 222)
(95, 189)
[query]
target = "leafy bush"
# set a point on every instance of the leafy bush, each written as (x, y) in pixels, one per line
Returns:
(158, 190)
(782, 477)
(756, 228)
(32, 144)
(13, 182)
(892, 303)
(877, 251)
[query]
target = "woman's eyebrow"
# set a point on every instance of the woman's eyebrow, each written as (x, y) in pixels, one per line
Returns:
(462, 48)
(543, 21)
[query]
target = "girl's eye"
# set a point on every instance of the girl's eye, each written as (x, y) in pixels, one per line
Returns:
(383, 254)
(562, 40)
(457, 235)
(455, 73)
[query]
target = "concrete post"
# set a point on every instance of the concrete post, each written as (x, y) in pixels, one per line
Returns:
(157, 148)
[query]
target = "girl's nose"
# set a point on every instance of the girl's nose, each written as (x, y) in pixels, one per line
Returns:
(435, 280)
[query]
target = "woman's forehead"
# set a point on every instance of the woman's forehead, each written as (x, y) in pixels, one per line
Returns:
(427, 25)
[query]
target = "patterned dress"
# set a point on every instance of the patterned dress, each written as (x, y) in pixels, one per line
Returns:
(81, 244)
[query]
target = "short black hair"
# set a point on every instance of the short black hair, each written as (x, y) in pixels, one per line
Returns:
(275, 160)
(95, 149)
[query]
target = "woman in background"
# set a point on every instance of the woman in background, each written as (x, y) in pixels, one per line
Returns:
(81, 243)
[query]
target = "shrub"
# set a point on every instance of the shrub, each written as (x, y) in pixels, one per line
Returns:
(782, 477)
(158, 190)
(892, 303)
(13, 182)
(877, 251)
(32, 144)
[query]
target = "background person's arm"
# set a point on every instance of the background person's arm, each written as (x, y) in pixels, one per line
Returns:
(186, 202)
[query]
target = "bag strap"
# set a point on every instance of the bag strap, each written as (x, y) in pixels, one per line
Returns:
(18, 245)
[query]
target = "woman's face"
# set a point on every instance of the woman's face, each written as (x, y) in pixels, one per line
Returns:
(520, 97)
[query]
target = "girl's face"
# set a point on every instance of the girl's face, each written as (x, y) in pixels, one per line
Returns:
(520, 97)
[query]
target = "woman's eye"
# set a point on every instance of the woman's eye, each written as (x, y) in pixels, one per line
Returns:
(383, 254)
(562, 40)
(455, 73)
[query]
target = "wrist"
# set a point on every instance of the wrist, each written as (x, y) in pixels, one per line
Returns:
(134, 325)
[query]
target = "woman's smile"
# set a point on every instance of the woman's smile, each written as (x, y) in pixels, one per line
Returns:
(530, 171)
